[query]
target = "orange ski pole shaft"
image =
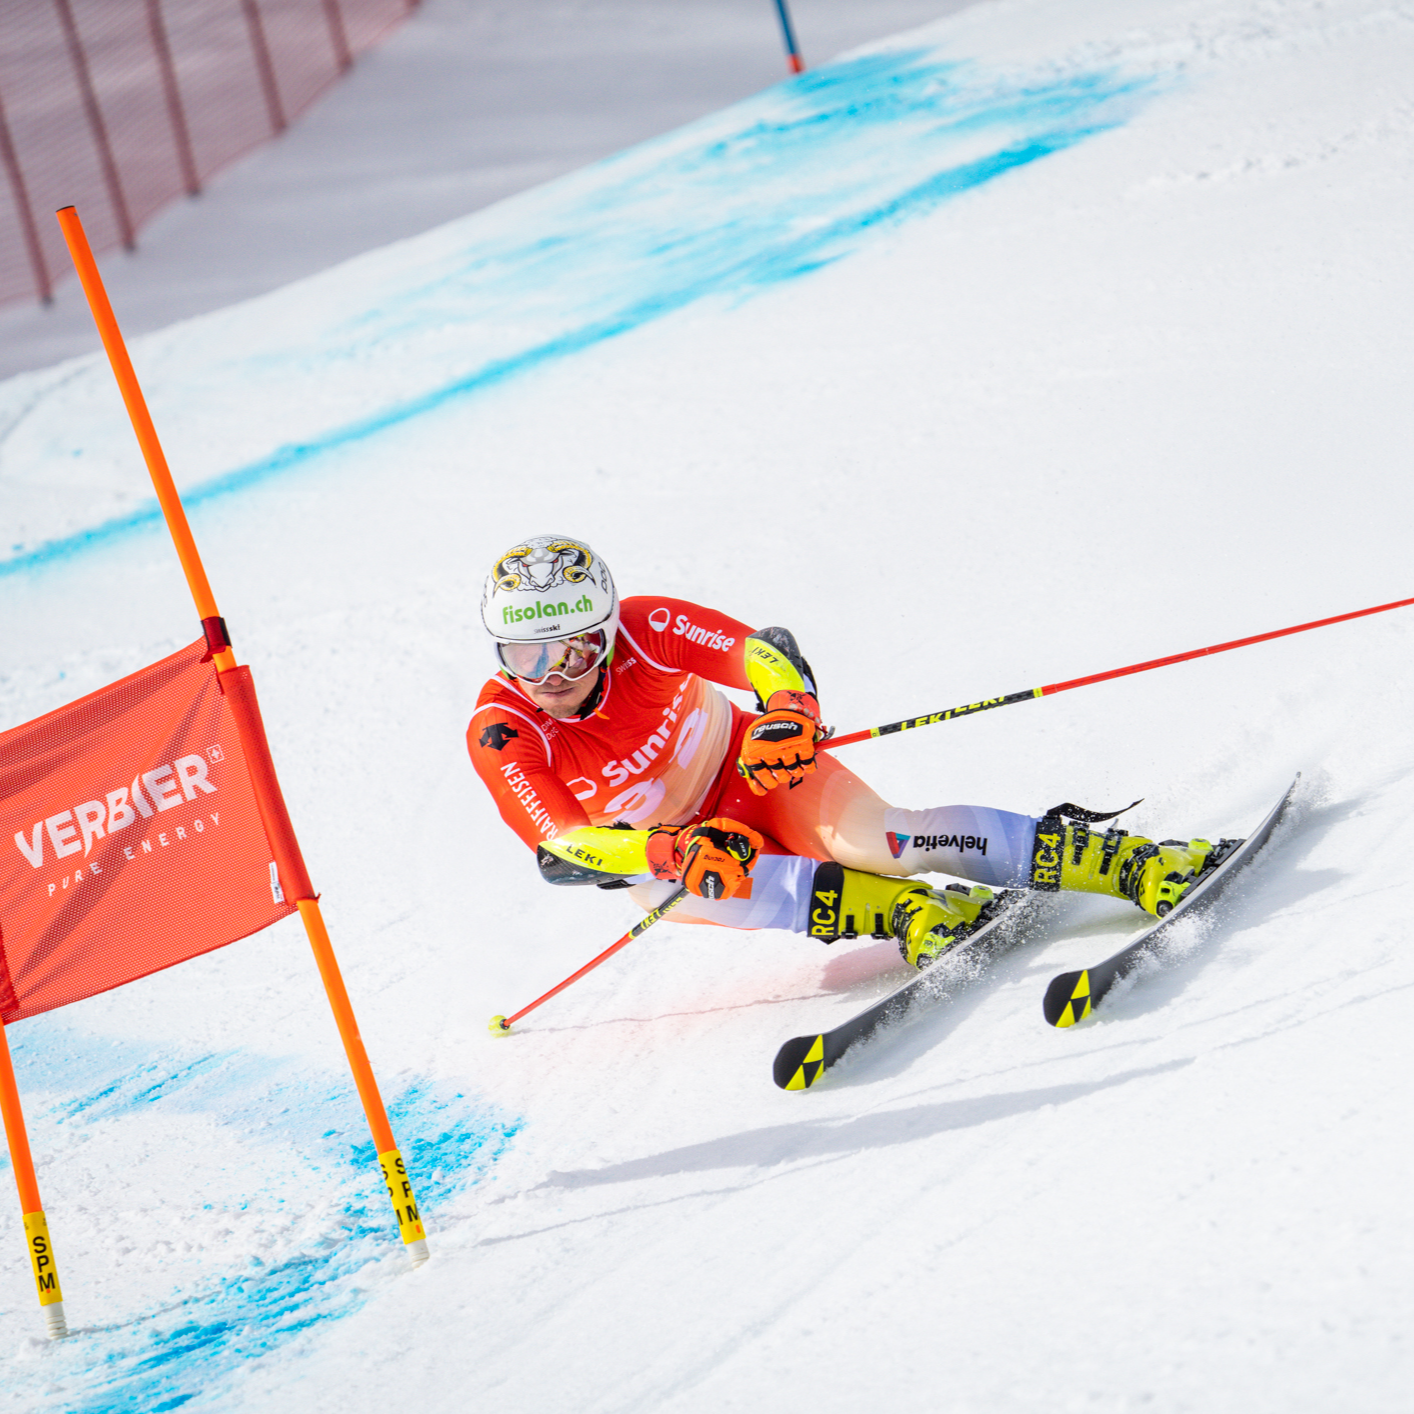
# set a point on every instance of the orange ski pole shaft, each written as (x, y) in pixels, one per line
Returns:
(395, 1175)
(1027, 694)
(41, 1249)
(499, 1025)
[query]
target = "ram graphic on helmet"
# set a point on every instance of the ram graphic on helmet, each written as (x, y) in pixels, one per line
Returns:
(547, 587)
(543, 563)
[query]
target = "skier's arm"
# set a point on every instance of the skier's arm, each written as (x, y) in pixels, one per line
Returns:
(712, 859)
(672, 634)
(774, 663)
(512, 757)
(779, 747)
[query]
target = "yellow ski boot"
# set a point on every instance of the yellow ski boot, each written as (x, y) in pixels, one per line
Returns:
(1153, 876)
(926, 923)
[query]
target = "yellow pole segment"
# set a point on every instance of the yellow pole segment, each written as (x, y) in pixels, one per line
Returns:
(41, 1250)
(390, 1161)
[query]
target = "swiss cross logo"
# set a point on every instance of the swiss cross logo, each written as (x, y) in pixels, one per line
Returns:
(214, 753)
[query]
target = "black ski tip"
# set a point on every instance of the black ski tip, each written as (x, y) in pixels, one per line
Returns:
(799, 1062)
(1068, 999)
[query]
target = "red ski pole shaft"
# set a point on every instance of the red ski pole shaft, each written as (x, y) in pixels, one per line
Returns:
(1049, 691)
(501, 1024)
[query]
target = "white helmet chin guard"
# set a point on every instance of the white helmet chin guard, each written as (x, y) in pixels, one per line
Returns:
(549, 586)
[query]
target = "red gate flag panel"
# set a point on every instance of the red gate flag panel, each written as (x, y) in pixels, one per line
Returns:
(133, 833)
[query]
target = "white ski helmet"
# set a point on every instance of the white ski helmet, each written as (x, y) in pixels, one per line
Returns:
(549, 586)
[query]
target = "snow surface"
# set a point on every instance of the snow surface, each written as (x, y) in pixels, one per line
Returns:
(1048, 339)
(469, 101)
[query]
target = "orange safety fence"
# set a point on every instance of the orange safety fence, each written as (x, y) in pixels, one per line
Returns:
(120, 105)
(137, 830)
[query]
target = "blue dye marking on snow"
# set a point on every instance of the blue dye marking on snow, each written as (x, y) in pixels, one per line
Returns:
(296, 1126)
(812, 170)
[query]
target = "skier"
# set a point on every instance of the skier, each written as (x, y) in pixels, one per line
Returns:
(609, 751)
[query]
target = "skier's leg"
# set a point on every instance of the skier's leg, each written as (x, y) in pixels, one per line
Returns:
(776, 896)
(833, 814)
(828, 901)
(862, 844)
(974, 842)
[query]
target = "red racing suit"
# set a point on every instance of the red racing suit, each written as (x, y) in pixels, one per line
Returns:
(660, 746)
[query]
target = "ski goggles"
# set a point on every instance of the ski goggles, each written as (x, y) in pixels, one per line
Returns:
(571, 658)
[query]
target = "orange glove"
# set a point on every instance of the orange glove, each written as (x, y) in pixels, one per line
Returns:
(779, 748)
(712, 859)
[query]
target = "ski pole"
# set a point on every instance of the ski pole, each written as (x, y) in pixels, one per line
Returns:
(1026, 695)
(499, 1025)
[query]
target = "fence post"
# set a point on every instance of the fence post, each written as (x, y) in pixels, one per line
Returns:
(96, 125)
(11, 159)
(797, 64)
(337, 37)
(176, 115)
(264, 66)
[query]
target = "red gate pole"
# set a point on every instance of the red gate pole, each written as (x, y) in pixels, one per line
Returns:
(25, 212)
(390, 1160)
(41, 1250)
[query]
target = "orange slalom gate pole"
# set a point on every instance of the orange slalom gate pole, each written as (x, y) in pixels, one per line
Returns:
(41, 1249)
(171, 503)
(390, 1160)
